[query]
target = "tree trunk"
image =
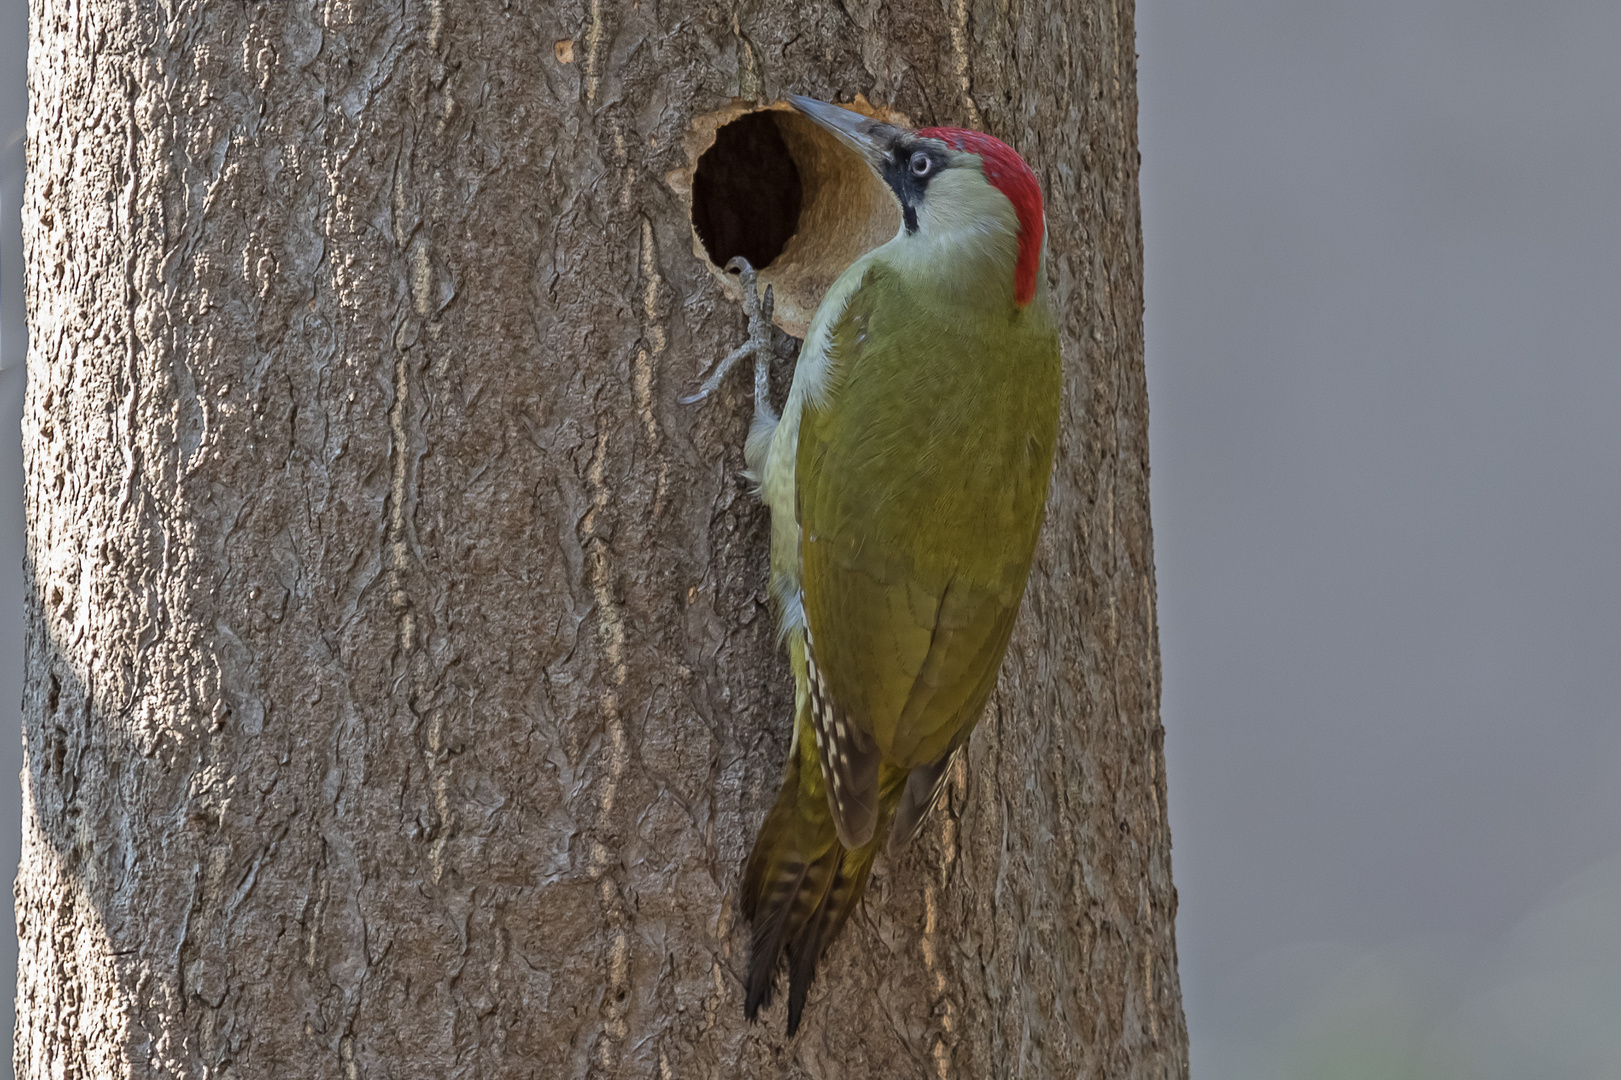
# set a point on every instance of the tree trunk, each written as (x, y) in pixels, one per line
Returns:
(402, 695)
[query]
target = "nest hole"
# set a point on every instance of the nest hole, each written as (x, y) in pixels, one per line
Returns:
(771, 186)
(746, 193)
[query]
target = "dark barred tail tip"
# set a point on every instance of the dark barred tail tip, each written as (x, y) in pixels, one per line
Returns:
(799, 887)
(756, 998)
(788, 924)
(796, 918)
(760, 988)
(762, 975)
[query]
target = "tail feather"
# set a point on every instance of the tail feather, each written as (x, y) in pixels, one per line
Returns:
(767, 939)
(799, 887)
(788, 874)
(848, 886)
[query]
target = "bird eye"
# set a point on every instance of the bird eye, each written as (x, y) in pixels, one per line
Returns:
(921, 164)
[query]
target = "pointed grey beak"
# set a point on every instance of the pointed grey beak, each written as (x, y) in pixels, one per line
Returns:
(868, 137)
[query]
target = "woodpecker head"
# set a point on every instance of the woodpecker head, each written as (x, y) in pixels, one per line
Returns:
(954, 185)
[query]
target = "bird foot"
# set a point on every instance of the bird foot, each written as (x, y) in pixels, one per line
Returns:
(760, 344)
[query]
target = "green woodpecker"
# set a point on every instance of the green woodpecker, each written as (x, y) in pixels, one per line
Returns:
(906, 478)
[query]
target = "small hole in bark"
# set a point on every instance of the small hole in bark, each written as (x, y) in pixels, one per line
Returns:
(746, 193)
(771, 186)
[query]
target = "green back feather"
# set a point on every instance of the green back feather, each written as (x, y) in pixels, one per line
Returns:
(921, 485)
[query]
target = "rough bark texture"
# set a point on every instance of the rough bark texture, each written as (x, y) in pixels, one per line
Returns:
(402, 695)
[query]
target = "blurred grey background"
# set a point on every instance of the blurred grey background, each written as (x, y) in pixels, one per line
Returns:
(13, 346)
(1384, 359)
(1384, 362)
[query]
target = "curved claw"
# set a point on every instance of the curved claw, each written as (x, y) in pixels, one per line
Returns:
(711, 384)
(759, 345)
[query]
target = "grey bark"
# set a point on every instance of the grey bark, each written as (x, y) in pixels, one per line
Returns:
(401, 692)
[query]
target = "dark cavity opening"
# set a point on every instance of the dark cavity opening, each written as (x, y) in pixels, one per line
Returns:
(746, 192)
